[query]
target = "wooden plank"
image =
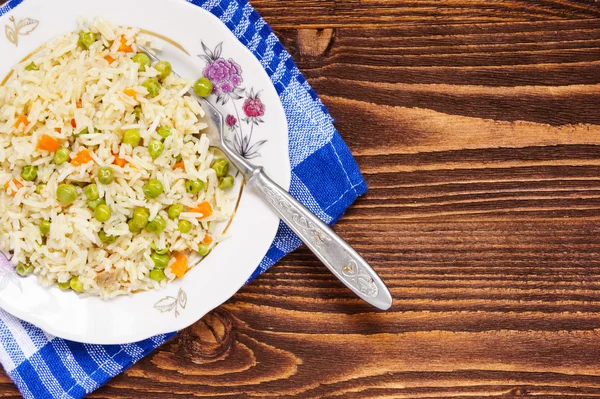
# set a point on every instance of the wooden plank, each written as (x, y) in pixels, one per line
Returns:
(379, 13)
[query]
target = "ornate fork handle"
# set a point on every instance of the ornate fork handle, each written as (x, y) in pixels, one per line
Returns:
(343, 261)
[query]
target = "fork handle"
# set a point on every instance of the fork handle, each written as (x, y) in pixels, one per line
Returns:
(341, 259)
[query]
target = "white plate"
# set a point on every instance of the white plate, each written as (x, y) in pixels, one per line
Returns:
(227, 268)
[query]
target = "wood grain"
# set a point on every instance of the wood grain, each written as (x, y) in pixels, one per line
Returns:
(482, 158)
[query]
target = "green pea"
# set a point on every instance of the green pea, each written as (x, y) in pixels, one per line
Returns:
(132, 227)
(157, 225)
(203, 87)
(102, 213)
(141, 212)
(105, 238)
(160, 260)
(61, 155)
(24, 270)
(178, 158)
(163, 68)
(152, 86)
(174, 211)
(184, 226)
(220, 166)
(164, 132)
(157, 275)
(140, 217)
(66, 193)
(137, 111)
(91, 192)
(226, 182)
(45, 227)
(64, 286)
(86, 39)
(153, 188)
(163, 251)
(155, 148)
(32, 67)
(194, 186)
(76, 285)
(84, 131)
(203, 249)
(29, 173)
(132, 137)
(93, 204)
(39, 188)
(143, 60)
(105, 175)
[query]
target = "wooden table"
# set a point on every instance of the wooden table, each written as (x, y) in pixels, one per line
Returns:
(482, 216)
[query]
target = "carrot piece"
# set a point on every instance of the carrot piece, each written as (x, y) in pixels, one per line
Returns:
(179, 165)
(48, 143)
(17, 184)
(204, 208)
(180, 266)
(119, 161)
(130, 93)
(22, 119)
(207, 240)
(109, 59)
(74, 123)
(79, 104)
(82, 157)
(124, 46)
(58, 130)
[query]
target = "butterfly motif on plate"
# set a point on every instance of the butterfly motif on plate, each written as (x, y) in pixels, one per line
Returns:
(21, 28)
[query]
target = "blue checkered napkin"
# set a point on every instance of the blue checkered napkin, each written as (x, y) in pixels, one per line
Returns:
(43, 366)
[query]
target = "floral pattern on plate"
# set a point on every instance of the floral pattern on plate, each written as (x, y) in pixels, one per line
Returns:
(8, 274)
(226, 78)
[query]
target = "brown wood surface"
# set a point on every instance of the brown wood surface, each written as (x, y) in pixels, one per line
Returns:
(482, 216)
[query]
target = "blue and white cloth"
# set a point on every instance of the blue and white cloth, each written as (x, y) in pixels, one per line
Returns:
(44, 366)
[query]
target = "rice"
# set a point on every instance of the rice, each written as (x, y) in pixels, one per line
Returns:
(73, 89)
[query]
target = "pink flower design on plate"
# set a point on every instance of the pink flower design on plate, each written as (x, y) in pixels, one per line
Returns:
(225, 75)
(226, 78)
(231, 121)
(253, 108)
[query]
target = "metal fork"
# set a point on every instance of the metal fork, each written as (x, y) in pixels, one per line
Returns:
(339, 257)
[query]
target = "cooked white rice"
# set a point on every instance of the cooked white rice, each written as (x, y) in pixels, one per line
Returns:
(69, 77)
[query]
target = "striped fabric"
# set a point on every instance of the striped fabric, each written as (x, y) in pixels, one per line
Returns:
(43, 366)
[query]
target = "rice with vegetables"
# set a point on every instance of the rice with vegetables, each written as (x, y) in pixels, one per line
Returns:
(108, 187)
